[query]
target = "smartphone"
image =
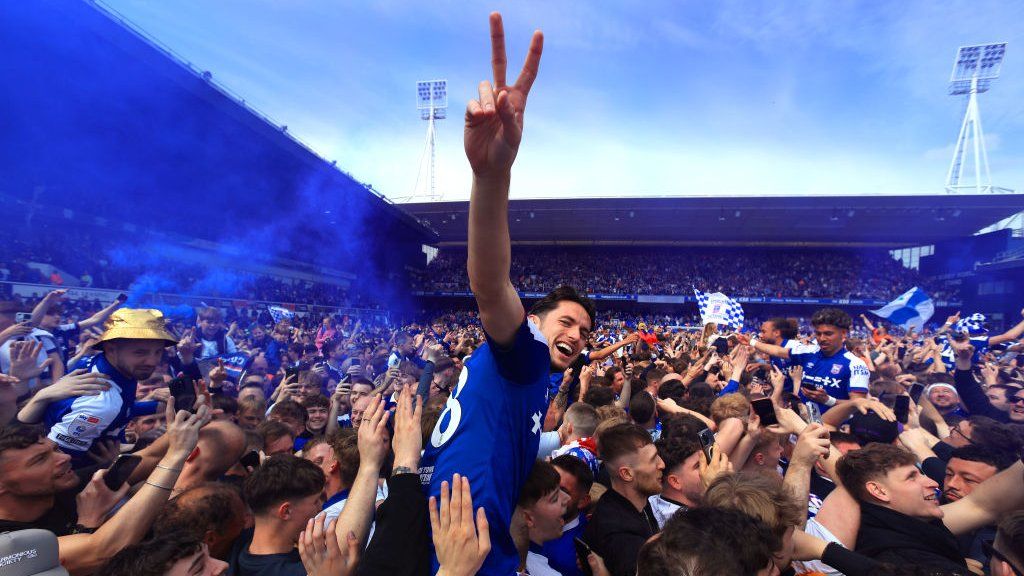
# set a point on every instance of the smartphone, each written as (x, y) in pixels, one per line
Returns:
(813, 412)
(902, 408)
(120, 471)
(251, 460)
(291, 372)
(582, 552)
(915, 392)
(23, 317)
(184, 393)
(355, 362)
(765, 411)
(707, 440)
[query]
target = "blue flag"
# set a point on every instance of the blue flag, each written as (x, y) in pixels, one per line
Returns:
(911, 310)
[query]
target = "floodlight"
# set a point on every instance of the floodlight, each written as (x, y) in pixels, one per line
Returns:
(974, 69)
(432, 102)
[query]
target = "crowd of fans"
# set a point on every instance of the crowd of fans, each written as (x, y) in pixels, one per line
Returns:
(548, 441)
(737, 272)
(60, 254)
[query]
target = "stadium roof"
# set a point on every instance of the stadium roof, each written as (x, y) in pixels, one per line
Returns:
(884, 221)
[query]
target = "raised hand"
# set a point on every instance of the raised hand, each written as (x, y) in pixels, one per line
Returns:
(461, 546)
(408, 439)
(373, 434)
(494, 122)
(15, 331)
(24, 356)
(77, 383)
(320, 553)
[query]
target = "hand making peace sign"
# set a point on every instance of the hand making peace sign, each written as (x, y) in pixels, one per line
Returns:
(494, 123)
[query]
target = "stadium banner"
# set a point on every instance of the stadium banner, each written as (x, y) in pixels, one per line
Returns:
(32, 292)
(681, 299)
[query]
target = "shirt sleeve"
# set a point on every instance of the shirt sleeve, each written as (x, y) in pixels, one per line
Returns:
(527, 360)
(859, 376)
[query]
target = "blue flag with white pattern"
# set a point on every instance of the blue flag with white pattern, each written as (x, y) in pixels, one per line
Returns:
(911, 310)
(717, 308)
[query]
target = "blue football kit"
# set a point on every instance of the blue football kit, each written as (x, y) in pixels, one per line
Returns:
(489, 432)
(75, 423)
(838, 374)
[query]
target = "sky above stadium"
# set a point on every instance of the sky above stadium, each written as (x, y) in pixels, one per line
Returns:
(660, 98)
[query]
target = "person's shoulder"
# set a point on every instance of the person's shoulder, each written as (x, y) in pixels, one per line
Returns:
(854, 361)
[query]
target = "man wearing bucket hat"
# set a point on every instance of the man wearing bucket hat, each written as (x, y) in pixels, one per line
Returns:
(133, 344)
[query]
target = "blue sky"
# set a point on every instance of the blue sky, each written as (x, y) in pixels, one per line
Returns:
(646, 99)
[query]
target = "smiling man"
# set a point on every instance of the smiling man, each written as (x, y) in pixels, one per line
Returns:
(901, 520)
(490, 428)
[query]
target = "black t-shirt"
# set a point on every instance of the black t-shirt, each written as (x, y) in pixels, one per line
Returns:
(61, 519)
(821, 487)
(242, 563)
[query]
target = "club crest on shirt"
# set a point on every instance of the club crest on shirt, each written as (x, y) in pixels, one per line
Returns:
(836, 368)
(84, 423)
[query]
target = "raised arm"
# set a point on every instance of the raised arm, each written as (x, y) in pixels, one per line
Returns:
(1011, 334)
(494, 130)
(50, 299)
(607, 351)
(867, 322)
(99, 317)
(769, 349)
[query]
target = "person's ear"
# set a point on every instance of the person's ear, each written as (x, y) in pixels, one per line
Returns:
(674, 481)
(209, 538)
(284, 511)
(334, 467)
(626, 474)
(534, 319)
(759, 459)
(878, 491)
(585, 501)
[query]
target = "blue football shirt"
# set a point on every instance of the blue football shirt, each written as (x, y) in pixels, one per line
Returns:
(839, 374)
(490, 431)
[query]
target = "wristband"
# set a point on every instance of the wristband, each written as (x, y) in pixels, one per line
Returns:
(403, 470)
(80, 529)
(155, 485)
(830, 402)
(171, 469)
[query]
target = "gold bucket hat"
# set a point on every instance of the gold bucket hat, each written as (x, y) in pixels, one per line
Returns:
(137, 324)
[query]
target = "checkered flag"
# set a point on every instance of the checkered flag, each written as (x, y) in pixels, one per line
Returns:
(973, 325)
(719, 309)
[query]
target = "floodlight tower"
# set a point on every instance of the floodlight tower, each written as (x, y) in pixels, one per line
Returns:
(432, 102)
(974, 70)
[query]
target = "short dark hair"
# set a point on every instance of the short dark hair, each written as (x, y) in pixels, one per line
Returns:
(642, 407)
(598, 396)
(564, 294)
(543, 480)
(576, 468)
(673, 389)
(289, 409)
(871, 462)
(226, 403)
(622, 439)
(282, 478)
(18, 437)
(789, 328)
(318, 401)
(153, 557)
(974, 453)
(993, 434)
(200, 509)
(832, 317)
(675, 449)
(708, 541)
(345, 446)
(271, 430)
